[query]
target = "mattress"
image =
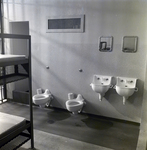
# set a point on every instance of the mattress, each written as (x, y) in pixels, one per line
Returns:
(10, 123)
(7, 59)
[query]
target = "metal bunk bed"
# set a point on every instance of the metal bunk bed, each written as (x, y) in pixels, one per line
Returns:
(23, 127)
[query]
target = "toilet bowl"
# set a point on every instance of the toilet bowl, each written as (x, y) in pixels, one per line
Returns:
(42, 99)
(75, 105)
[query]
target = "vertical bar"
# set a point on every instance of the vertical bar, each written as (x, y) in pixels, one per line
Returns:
(30, 96)
(16, 69)
(2, 46)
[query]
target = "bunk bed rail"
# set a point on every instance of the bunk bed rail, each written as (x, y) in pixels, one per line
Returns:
(15, 36)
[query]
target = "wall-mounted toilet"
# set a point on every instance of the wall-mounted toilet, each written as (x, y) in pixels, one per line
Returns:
(75, 105)
(42, 99)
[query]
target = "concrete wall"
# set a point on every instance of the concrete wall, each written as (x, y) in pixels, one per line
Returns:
(20, 47)
(66, 53)
(17, 47)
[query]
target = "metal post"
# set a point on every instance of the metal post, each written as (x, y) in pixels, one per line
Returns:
(30, 94)
(2, 46)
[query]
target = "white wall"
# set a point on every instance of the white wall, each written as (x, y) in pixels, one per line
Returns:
(66, 53)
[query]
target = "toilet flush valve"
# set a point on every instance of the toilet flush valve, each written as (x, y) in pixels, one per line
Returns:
(51, 98)
(71, 96)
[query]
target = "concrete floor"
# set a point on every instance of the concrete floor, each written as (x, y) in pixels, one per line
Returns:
(82, 128)
(47, 141)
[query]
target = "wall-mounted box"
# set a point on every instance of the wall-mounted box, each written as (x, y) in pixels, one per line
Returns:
(21, 97)
(129, 44)
(65, 23)
(105, 43)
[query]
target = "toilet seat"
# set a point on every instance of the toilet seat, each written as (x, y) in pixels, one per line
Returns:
(40, 96)
(74, 103)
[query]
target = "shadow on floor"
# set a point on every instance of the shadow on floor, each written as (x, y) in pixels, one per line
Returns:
(97, 124)
(54, 116)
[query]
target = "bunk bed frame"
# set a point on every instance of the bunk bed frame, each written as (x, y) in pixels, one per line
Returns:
(12, 77)
(26, 64)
